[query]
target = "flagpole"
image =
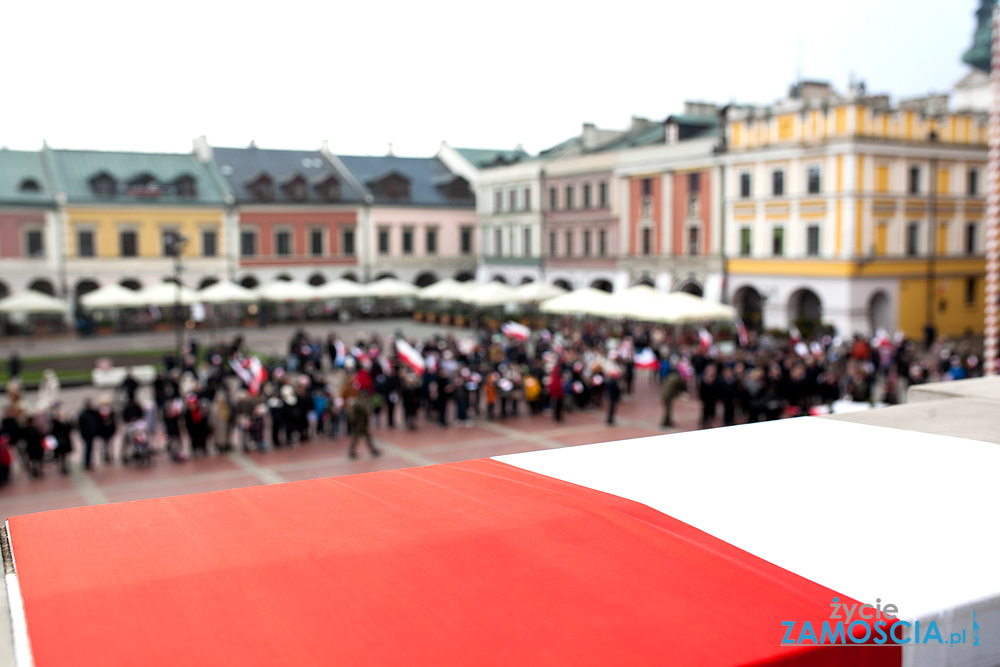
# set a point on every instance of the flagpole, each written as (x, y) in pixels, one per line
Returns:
(991, 330)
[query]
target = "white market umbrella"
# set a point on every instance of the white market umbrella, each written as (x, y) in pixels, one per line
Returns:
(649, 305)
(490, 294)
(448, 289)
(537, 291)
(583, 301)
(166, 294)
(341, 289)
(287, 290)
(31, 302)
(226, 292)
(390, 288)
(111, 296)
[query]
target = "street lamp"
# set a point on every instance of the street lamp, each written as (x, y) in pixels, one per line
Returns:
(929, 329)
(175, 248)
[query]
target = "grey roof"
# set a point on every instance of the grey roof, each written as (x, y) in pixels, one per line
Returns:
(488, 157)
(242, 166)
(428, 178)
(17, 170)
(72, 171)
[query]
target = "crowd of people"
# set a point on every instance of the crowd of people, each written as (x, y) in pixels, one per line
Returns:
(227, 398)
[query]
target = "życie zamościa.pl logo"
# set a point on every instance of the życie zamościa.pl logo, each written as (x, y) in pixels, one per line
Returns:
(857, 623)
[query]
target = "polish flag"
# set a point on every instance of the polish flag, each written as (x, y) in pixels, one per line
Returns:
(794, 334)
(516, 331)
(410, 356)
(704, 338)
(646, 359)
(741, 333)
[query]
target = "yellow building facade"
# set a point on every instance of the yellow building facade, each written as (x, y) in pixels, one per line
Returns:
(857, 215)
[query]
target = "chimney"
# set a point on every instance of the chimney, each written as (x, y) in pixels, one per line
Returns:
(202, 150)
(589, 136)
(390, 153)
(325, 147)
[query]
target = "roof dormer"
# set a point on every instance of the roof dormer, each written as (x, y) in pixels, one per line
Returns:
(295, 187)
(103, 184)
(143, 185)
(262, 187)
(29, 185)
(392, 185)
(328, 187)
(186, 186)
(455, 187)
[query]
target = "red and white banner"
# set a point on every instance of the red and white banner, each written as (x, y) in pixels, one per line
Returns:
(646, 359)
(515, 330)
(704, 338)
(410, 356)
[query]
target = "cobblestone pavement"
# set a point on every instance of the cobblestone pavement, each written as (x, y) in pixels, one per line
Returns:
(638, 416)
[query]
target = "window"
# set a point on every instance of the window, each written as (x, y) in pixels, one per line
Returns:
(882, 178)
(586, 243)
(914, 180)
(552, 244)
(283, 243)
(498, 201)
(745, 184)
(527, 199)
(465, 240)
(431, 241)
(128, 243)
(316, 242)
(647, 187)
(647, 199)
(778, 182)
(647, 240)
(813, 182)
(553, 199)
(408, 241)
(812, 240)
(569, 197)
(348, 244)
(970, 238)
(527, 241)
(498, 242)
(248, 243)
(882, 238)
(694, 182)
(569, 243)
(209, 243)
(778, 241)
(745, 239)
(383, 240)
(602, 243)
(85, 243)
(973, 182)
(512, 200)
(35, 243)
(912, 238)
(694, 241)
(168, 239)
(602, 194)
(970, 291)
(586, 195)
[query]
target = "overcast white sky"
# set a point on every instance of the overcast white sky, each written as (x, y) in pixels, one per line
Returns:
(288, 74)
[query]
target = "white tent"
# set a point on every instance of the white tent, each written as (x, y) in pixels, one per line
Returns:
(341, 289)
(537, 291)
(31, 302)
(287, 290)
(112, 295)
(492, 293)
(227, 292)
(578, 302)
(649, 305)
(448, 289)
(166, 294)
(390, 288)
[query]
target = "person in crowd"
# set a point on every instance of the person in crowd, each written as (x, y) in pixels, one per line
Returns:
(672, 386)
(89, 425)
(61, 429)
(359, 415)
(708, 392)
(108, 427)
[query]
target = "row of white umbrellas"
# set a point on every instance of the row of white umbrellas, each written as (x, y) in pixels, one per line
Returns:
(638, 303)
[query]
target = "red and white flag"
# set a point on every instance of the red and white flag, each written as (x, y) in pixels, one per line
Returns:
(705, 338)
(794, 334)
(410, 356)
(646, 359)
(515, 330)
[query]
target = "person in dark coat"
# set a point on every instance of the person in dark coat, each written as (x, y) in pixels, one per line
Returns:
(614, 393)
(34, 446)
(61, 428)
(196, 421)
(14, 365)
(89, 424)
(173, 410)
(410, 395)
(673, 385)
(108, 427)
(728, 390)
(130, 385)
(708, 392)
